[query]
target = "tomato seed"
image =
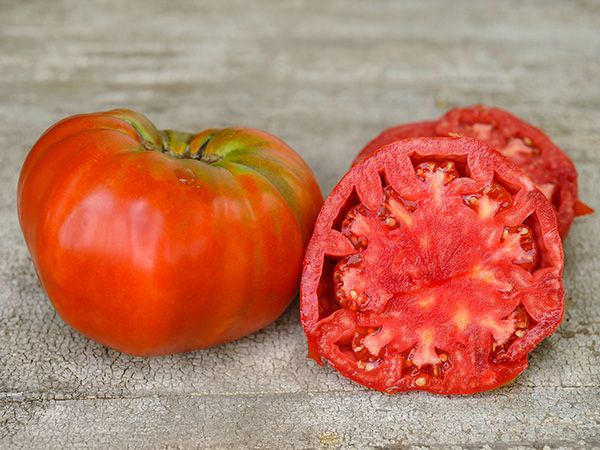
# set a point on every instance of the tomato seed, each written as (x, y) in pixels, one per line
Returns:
(427, 168)
(361, 353)
(370, 365)
(528, 257)
(500, 198)
(390, 222)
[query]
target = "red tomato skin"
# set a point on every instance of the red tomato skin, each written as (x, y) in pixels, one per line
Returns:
(152, 254)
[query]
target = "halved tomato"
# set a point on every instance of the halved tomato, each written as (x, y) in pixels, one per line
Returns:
(435, 265)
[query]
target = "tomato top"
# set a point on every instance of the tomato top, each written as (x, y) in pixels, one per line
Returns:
(435, 265)
(161, 241)
(228, 148)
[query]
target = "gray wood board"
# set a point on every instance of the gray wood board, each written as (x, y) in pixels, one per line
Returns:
(325, 77)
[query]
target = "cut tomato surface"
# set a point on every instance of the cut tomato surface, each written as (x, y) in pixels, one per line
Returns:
(404, 131)
(434, 265)
(531, 149)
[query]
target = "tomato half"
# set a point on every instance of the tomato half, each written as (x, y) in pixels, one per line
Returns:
(435, 265)
(546, 164)
(154, 242)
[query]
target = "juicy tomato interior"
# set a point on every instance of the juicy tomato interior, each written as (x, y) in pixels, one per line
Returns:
(431, 268)
(544, 162)
(547, 165)
(437, 292)
(519, 148)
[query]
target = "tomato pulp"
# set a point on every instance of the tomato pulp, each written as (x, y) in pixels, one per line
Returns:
(154, 242)
(533, 151)
(436, 265)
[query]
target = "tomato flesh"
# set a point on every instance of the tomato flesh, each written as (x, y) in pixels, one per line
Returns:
(543, 161)
(438, 285)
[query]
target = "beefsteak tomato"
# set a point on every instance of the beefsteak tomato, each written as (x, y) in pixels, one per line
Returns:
(154, 242)
(435, 265)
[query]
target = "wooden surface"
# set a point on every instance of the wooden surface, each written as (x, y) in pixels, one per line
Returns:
(325, 76)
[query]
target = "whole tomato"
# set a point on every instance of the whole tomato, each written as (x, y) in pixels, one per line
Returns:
(154, 242)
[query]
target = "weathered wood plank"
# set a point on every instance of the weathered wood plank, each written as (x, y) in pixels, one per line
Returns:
(533, 419)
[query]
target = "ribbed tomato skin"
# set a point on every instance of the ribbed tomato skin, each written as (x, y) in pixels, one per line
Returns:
(151, 254)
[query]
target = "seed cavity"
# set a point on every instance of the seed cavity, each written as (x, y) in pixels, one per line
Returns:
(520, 323)
(350, 283)
(428, 371)
(356, 226)
(514, 147)
(368, 365)
(517, 147)
(489, 201)
(398, 211)
(519, 241)
(482, 131)
(395, 210)
(361, 351)
(427, 169)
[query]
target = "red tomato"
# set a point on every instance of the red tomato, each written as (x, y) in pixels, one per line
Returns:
(543, 161)
(154, 242)
(435, 264)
